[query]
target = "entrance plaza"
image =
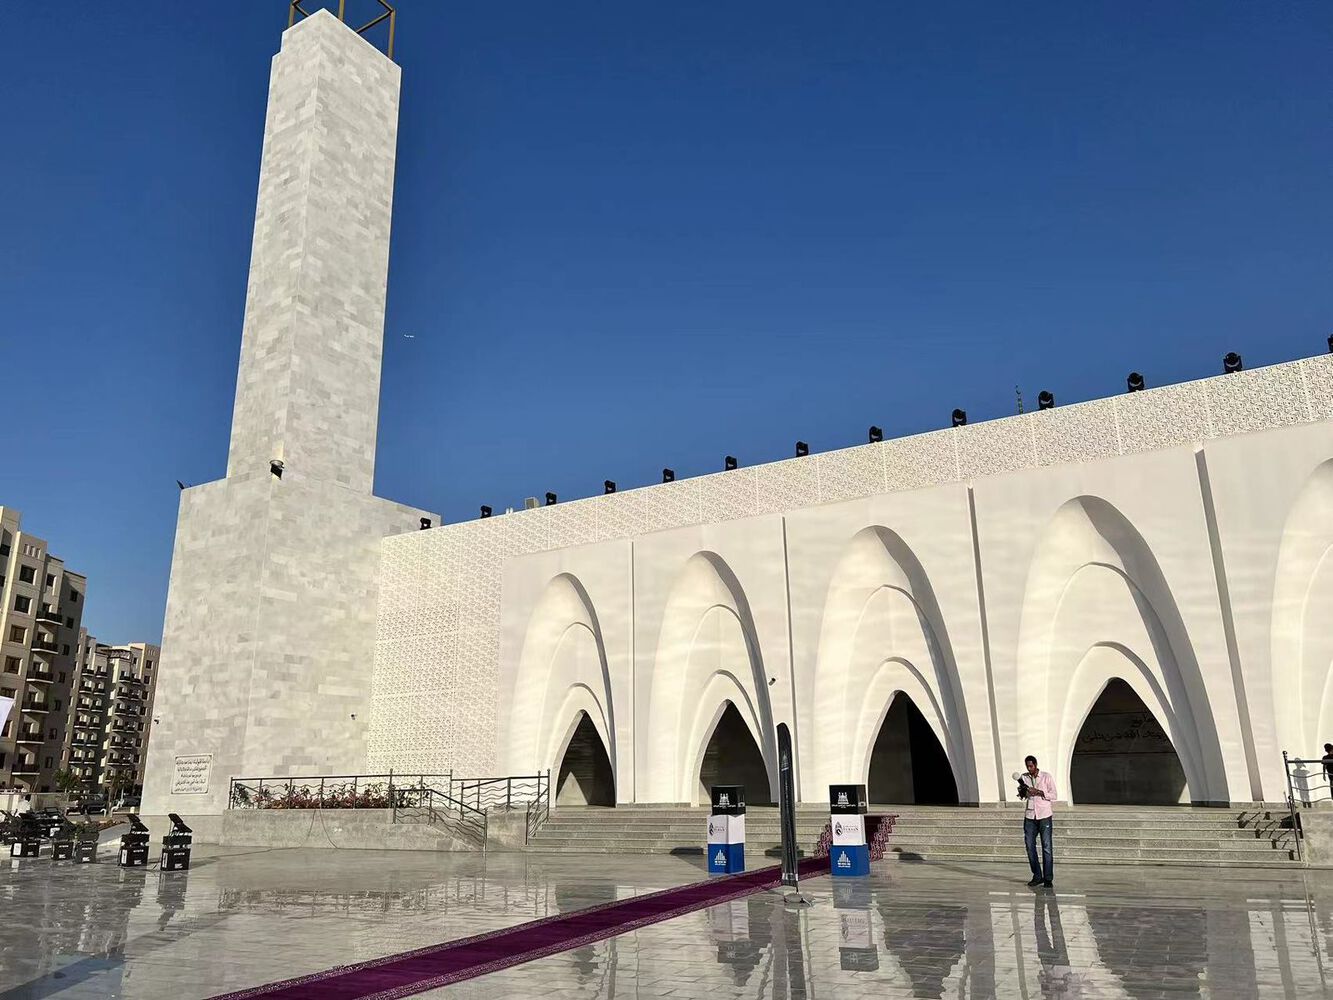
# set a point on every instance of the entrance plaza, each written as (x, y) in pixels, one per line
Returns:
(241, 918)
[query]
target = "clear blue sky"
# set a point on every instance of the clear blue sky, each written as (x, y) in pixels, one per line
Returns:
(634, 235)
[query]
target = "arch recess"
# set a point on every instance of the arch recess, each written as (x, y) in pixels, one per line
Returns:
(882, 634)
(707, 655)
(562, 675)
(1302, 626)
(1097, 607)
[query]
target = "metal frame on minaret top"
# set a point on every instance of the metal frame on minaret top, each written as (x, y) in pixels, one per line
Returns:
(389, 15)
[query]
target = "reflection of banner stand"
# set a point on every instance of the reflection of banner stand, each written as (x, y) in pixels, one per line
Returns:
(726, 830)
(731, 932)
(849, 854)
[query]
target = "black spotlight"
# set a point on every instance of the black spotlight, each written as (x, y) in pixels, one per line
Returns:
(802, 449)
(668, 475)
(551, 499)
(1231, 363)
(609, 486)
(485, 511)
(1045, 400)
(876, 435)
(730, 463)
(425, 524)
(276, 467)
(1135, 382)
(1330, 344)
(959, 418)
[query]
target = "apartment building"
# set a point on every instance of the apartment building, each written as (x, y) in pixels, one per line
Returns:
(41, 614)
(106, 740)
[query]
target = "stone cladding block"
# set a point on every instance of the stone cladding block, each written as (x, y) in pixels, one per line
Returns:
(1078, 433)
(787, 485)
(1163, 418)
(996, 446)
(1253, 400)
(851, 473)
(728, 496)
(921, 460)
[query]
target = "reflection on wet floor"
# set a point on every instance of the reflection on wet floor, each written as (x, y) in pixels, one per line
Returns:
(909, 930)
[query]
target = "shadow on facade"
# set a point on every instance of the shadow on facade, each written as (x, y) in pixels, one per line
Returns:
(1123, 756)
(732, 757)
(585, 777)
(908, 764)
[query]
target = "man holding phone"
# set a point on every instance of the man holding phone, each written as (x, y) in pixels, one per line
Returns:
(1038, 790)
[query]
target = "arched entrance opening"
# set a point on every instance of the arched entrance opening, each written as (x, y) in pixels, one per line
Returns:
(1123, 755)
(584, 777)
(732, 757)
(907, 763)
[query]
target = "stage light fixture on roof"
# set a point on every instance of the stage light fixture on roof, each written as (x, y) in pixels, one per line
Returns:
(668, 475)
(1231, 363)
(1045, 400)
(609, 486)
(551, 499)
(1135, 382)
(485, 510)
(802, 449)
(730, 463)
(876, 434)
(425, 524)
(959, 418)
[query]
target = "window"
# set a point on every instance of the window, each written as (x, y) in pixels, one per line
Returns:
(69, 620)
(48, 763)
(13, 664)
(64, 649)
(5, 733)
(57, 704)
(60, 678)
(4, 548)
(50, 581)
(74, 597)
(23, 605)
(51, 733)
(17, 633)
(6, 692)
(27, 574)
(2, 756)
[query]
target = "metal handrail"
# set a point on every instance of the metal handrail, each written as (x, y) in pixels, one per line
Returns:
(321, 791)
(507, 791)
(1312, 785)
(539, 809)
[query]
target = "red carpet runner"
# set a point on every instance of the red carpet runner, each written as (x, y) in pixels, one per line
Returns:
(413, 972)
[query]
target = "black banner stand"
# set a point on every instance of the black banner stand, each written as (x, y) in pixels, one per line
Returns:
(787, 818)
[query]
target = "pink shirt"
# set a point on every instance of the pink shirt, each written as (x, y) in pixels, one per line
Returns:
(1039, 807)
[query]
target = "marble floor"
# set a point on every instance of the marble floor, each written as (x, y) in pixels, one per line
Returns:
(243, 917)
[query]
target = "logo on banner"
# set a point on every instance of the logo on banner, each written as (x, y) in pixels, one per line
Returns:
(837, 829)
(724, 800)
(712, 830)
(720, 858)
(844, 861)
(842, 799)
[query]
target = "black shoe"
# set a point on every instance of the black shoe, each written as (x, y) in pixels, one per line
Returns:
(1047, 884)
(1034, 882)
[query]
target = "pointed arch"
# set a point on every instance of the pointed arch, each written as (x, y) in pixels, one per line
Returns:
(707, 654)
(905, 760)
(582, 773)
(1097, 606)
(1302, 636)
(562, 672)
(882, 633)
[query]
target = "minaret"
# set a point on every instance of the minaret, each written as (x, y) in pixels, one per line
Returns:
(268, 643)
(308, 389)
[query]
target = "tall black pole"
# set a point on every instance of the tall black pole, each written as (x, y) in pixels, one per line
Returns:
(787, 805)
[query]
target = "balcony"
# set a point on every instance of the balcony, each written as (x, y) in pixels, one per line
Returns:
(50, 617)
(37, 707)
(40, 672)
(45, 646)
(25, 767)
(30, 736)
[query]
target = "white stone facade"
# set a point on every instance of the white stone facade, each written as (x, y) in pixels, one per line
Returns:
(999, 574)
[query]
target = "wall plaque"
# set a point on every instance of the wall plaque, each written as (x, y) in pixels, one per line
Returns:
(191, 774)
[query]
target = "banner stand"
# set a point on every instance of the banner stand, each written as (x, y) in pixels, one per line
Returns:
(726, 830)
(849, 854)
(787, 819)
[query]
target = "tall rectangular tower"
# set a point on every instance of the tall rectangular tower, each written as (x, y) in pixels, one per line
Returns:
(268, 643)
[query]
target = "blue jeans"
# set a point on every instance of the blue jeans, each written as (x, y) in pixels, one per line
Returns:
(1031, 827)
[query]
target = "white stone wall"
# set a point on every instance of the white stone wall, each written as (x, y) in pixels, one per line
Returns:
(999, 573)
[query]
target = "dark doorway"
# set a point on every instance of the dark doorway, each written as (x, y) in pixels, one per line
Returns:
(733, 758)
(585, 777)
(1123, 756)
(907, 763)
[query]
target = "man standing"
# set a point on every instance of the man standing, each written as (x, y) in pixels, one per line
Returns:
(1038, 789)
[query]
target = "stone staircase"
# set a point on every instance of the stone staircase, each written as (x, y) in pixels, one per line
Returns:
(1102, 835)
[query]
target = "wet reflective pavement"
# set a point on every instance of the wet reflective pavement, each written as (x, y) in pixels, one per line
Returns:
(245, 917)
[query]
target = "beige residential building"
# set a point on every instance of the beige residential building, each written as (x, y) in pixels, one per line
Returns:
(107, 736)
(41, 609)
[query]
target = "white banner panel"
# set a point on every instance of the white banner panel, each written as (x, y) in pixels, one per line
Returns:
(849, 830)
